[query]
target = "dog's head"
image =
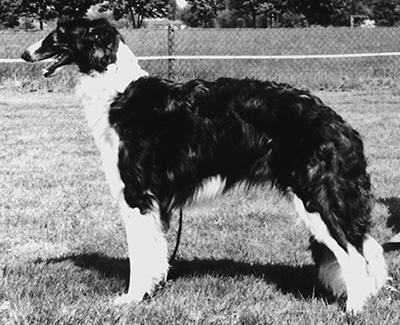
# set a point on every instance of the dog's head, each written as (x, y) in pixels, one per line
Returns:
(91, 44)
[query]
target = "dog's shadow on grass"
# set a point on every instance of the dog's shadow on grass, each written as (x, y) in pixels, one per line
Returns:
(301, 281)
(297, 280)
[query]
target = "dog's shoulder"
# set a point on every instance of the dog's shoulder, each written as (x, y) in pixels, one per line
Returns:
(158, 95)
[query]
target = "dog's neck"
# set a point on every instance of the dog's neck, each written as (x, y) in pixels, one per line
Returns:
(97, 90)
(126, 68)
(117, 76)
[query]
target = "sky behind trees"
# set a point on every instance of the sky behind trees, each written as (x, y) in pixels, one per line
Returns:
(181, 3)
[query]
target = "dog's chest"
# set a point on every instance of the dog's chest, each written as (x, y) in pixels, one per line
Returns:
(96, 95)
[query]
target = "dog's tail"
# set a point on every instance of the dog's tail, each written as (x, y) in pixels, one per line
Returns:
(337, 185)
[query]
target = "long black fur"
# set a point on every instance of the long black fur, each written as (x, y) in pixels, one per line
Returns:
(176, 135)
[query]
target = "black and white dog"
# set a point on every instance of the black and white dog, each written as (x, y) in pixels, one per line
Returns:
(165, 145)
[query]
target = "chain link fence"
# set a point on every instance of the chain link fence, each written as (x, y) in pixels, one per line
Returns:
(306, 57)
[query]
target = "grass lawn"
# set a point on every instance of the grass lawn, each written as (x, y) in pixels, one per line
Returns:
(243, 258)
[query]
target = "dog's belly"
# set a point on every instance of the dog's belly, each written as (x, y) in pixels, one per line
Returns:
(207, 190)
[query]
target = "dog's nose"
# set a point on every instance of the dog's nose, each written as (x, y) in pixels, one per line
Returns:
(27, 56)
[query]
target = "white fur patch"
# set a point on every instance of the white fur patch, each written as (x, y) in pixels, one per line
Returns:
(319, 229)
(96, 96)
(355, 275)
(376, 265)
(97, 91)
(148, 252)
(208, 189)
(33, 48)
(128, 68)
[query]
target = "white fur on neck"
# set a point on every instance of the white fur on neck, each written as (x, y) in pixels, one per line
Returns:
(96, 92)
(127, 67)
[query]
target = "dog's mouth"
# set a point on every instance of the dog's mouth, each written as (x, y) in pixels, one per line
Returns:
(57, 62)
(58, 57)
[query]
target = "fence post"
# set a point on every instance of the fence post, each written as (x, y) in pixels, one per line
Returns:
(171, 62)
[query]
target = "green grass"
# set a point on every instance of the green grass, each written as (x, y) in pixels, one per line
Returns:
(243, 258)
(311, 73)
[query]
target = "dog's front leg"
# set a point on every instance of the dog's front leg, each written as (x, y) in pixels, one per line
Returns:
(148, 254)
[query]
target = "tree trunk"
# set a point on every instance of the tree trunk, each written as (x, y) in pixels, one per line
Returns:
(139, 21)
(132, 17)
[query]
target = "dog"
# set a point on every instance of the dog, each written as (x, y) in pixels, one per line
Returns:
(166, 145)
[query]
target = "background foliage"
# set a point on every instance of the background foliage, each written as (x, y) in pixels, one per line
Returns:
(287, 13)
(210, 13)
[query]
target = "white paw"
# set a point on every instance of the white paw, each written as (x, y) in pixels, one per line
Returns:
(128, 298)
(354, 307)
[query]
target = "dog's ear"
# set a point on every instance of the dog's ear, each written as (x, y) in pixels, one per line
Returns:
(101, 44)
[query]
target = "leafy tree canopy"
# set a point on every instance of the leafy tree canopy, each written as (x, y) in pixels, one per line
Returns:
(140, 9)
(288, 13)
(9, 12)
(202, 12)
(212, 13)
(45, 10)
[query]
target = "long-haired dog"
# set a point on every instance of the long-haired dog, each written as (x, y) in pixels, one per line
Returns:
(166, 144)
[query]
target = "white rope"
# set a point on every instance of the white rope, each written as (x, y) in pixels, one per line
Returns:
(248, 57)
(266, 57)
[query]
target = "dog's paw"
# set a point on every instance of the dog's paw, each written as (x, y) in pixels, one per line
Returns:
(128, 298)
(354, 307)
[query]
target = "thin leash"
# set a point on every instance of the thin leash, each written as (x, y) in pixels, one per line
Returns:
(178, 237)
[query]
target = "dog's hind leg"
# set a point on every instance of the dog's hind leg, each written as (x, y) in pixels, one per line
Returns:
(376, 265)
(359, 276)
(148, 254)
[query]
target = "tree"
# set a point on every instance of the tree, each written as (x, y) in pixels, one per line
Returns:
(316, 12)
(329, 12)
(252, 13)
(72, 9)
(172, 10)
(42, 10)
(251, 9)
(204, 11)
(45, 10)
(189, 17)
(140, 9)
(385, 12)
(9, 12)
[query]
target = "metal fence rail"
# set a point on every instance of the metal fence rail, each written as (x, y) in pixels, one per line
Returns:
(308, 57)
